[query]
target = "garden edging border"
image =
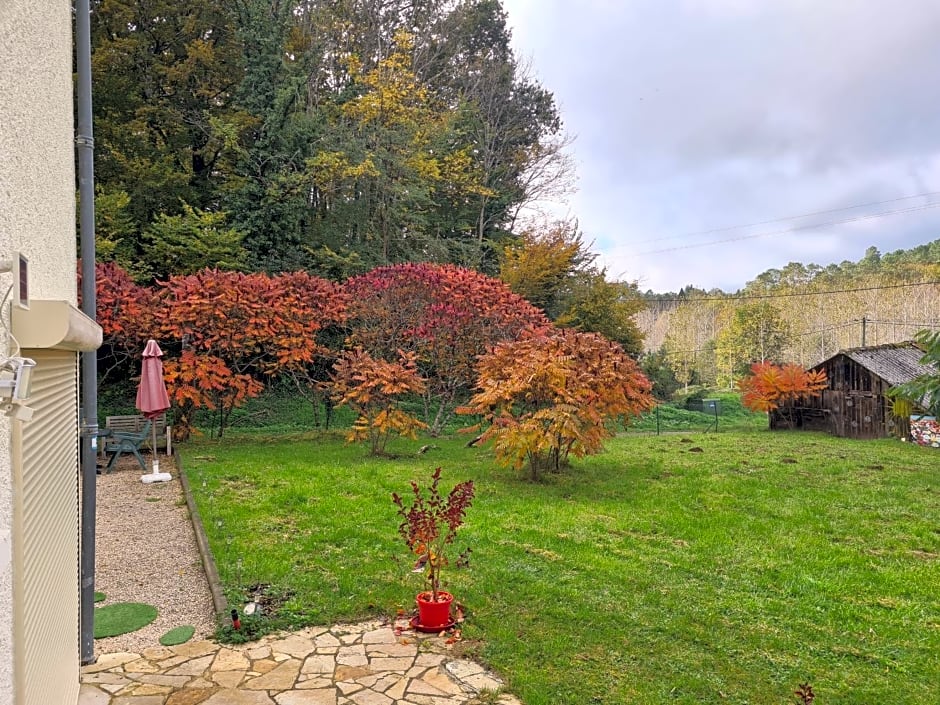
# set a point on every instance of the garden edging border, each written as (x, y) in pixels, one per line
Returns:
(219, 603)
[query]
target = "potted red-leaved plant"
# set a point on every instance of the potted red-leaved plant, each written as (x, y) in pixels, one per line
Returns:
(429, 526)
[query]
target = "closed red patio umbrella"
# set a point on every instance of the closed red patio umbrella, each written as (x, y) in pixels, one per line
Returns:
(152, 398)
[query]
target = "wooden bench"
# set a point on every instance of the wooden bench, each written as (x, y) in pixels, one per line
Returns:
(133, 423)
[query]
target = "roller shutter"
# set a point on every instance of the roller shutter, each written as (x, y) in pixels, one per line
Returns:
(46, 538)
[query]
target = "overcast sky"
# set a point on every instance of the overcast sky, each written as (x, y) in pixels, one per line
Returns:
(695, 115)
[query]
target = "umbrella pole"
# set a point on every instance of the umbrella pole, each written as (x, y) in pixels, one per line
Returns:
(153, 448)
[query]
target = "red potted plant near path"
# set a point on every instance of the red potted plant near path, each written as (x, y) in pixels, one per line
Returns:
(429, 526)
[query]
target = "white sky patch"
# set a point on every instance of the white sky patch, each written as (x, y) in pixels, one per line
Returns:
(695, 115)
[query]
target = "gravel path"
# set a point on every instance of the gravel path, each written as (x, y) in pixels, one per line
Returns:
(145, 551)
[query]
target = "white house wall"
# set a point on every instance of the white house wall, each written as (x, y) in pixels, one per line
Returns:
(37, 206)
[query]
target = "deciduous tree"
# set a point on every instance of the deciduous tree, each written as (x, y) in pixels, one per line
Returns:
(553, 393)
(757, 333)
(374, 389)
(445, 315)
(255, 325)
(771, 386)
(127, 314)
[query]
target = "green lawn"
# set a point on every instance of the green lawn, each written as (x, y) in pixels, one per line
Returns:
(699, 568)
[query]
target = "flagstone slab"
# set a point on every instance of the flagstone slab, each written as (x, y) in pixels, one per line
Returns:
(483, 681)
(383, 635)
(228, 679)
(106, 662)
(385, 682)
(189, 697)
(105, 677)
(281, 678)
(325, 663)
(263, 666)
(397, 691)
(381, 663)
(428, 659)
(350, 673)
(442, 682)
(432, 699)
(229, 660)
(307, 697)
(347, 687)
(257, 652)
(296, 646)
(157, 653)
(239, 697)
(195, 649)
(395, 649)
(326, 641)
(163, 679)
(422, 687)
(462, 669)
(141, 666)
(202, 683)
(370, 697)
(315, 683)
(195, 667)
(90, 695)
(134, 700)
(148, 689)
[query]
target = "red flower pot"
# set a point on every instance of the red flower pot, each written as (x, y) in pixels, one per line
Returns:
(431, 614)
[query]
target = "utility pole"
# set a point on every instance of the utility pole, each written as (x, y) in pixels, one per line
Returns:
(864, 324)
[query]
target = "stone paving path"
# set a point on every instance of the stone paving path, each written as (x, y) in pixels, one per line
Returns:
(357, 664)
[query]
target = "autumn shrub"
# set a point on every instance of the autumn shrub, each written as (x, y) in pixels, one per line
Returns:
(770, 386)
(554, 393)
(224, 333)
(429, 524)
(374, 388)
(446, 316)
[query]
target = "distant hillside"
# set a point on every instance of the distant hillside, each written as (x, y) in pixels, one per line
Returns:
(801, 313)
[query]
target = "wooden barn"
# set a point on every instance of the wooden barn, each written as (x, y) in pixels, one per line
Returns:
(854, 404)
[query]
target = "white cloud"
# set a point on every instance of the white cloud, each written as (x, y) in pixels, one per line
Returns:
(699, 114)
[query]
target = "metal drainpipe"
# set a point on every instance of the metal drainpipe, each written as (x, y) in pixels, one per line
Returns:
(85, 145)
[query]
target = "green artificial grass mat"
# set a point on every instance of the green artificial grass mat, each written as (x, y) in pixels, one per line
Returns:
(122, 617)
(100, 597)
(178, 635)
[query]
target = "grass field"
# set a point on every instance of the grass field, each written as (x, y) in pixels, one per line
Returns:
(683, 568)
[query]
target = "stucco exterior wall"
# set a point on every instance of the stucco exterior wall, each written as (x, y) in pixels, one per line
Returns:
(37, 204)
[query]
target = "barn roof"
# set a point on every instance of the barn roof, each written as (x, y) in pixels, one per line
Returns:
(896, 363)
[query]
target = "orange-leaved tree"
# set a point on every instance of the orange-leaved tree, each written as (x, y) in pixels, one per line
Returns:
(770, 386)
(236, 329)
(374, 388)
(446, 316)
(552, 393)
(126, 312)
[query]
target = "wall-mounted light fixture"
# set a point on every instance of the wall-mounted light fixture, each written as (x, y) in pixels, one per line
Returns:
(15, 377)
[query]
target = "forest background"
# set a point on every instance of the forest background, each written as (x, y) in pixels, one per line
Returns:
(338, 136)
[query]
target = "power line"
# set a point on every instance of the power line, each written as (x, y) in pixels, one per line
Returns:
(696, 233)
(820, 331)
(795, 228)
(790, 294)
(912, 324)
